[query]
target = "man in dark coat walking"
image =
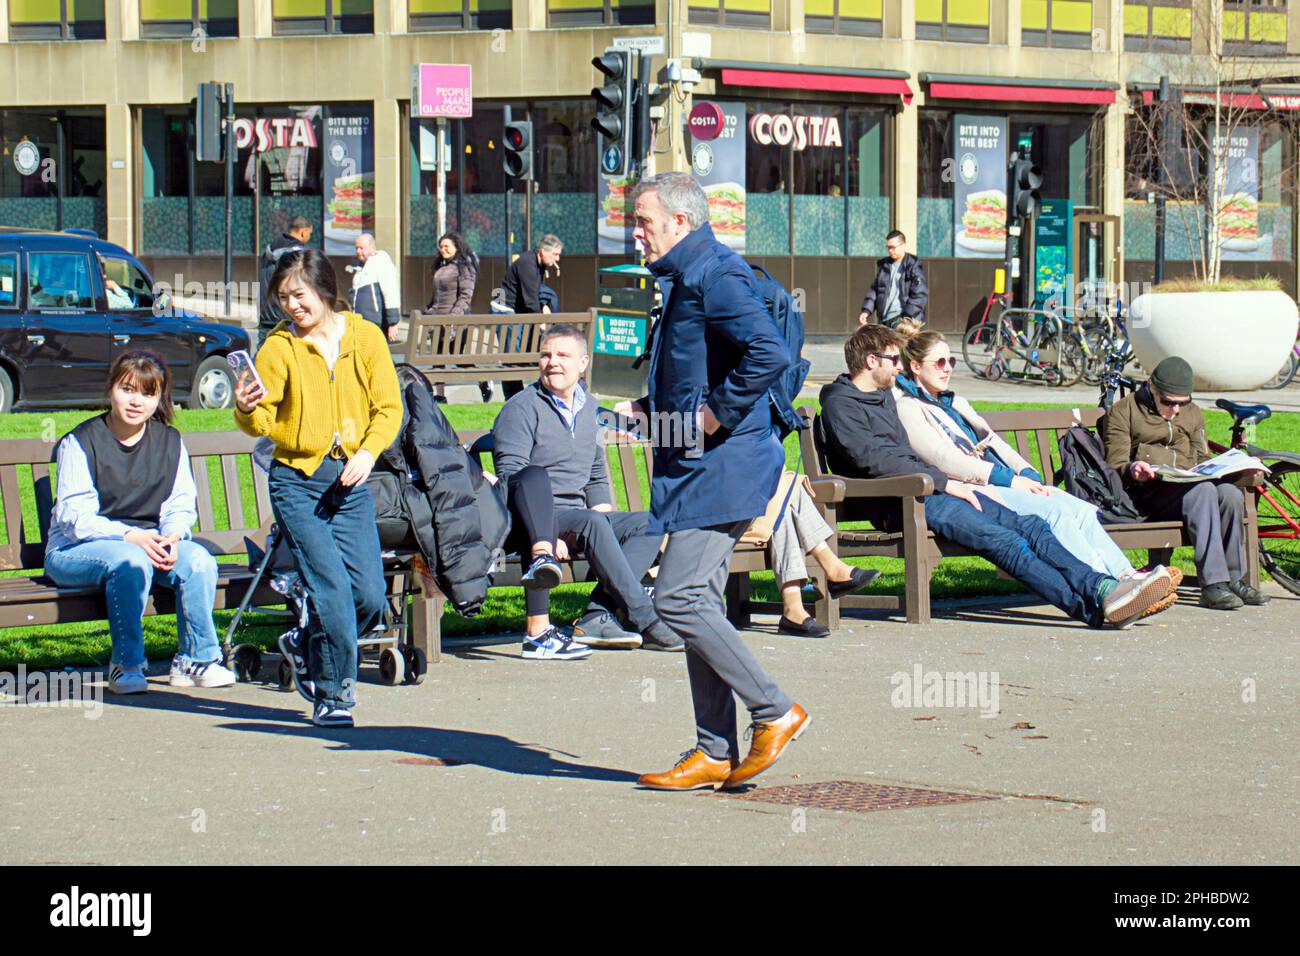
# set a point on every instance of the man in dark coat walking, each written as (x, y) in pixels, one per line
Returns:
(296, 239)
(899, 290)
(716, 352)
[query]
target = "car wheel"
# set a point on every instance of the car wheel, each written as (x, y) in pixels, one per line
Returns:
(6, 392)
(214, 387)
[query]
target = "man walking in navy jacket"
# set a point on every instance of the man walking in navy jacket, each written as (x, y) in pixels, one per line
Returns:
(716, 352)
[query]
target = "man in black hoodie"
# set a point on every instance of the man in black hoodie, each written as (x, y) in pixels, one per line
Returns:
(865, 439)
(295, 239)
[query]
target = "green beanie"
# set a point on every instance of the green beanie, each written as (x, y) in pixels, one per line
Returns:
(1173, 376)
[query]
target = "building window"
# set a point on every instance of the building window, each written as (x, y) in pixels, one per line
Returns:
(732, 13)
(423, 15)
(1064, 24)
(161, 19)
(56, 19)
(954, 20)
(573, 13)
(308, 17)
(63, 141)
(1159, 27)
(1254, 28)
(851, 17)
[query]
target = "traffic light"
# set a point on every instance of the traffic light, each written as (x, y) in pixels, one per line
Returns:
(615, 121)
(207, 123)
(518, 155)
(1025, 179)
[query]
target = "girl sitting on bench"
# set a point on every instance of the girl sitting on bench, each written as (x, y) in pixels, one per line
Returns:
(122, 517)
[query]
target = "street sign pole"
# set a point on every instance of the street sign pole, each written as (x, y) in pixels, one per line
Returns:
(442, 176)
(229, 144)
(508, 118)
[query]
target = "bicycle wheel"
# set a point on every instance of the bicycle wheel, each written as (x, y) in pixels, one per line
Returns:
(1279, 526)
(980, 350)
(1073, 361)
(1099, 345)
(1284, 375)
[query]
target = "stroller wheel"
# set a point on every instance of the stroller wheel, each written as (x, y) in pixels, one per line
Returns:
(248, 662)
(416, 665)
(284, 676)
(392, 669)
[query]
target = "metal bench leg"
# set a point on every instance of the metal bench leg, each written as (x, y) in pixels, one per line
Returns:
(826, 610)
(1251, 520)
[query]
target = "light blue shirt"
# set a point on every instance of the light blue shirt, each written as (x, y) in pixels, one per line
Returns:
(76, 516)
(569, 415)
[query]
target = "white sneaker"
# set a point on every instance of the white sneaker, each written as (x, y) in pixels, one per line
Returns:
(554, 644)
(127, 680)
(179, 675)
(211, 673)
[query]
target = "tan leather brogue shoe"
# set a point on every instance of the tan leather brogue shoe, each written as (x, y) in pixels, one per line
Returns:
(696, 770)
(770, 741)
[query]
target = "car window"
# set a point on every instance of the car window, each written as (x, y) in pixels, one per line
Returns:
(8, 281)
(59, 280)
(133, 288)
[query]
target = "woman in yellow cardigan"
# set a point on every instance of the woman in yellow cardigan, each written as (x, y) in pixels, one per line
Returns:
(330, 402)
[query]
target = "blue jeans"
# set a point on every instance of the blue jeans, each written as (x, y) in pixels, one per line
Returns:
(125, 573)
(1023, 546)
(1073, 522)
(332, 533)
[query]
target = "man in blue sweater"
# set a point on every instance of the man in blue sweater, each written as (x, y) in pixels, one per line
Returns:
(552, 424)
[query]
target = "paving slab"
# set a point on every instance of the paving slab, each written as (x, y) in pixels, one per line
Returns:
(1172, 742)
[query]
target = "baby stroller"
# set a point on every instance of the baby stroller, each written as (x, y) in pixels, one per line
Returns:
(399, 660)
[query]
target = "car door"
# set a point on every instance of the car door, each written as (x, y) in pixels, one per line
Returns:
(67, 348)
(134, 326)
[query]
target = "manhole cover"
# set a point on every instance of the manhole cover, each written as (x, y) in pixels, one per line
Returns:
(852, 795)
(431, 761)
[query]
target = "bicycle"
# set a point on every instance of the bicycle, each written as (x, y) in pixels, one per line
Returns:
(1103, 333)
(1044, 346)
(1288, 370)
(1277, 503)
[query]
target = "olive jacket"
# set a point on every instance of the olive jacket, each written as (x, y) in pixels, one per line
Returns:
(1134, 431)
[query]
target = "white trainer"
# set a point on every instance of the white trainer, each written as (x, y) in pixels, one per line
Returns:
(127, 680)
(554, 645)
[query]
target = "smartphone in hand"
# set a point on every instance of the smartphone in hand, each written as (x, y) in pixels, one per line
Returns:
(241, 365)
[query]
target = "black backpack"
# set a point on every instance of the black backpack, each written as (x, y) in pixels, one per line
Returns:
(1086, 475)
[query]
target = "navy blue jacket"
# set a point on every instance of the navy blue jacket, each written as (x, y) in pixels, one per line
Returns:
(714, 344)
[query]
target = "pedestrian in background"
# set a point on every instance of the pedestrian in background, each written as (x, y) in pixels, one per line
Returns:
(454, 277)
(294, 240)
(330, 402)
(899, 289)
(524, 291)
(376, 293)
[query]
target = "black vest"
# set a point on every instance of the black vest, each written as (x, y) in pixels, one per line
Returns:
(132, 482)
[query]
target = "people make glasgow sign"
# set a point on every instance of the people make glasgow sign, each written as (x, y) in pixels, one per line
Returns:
(798, 131)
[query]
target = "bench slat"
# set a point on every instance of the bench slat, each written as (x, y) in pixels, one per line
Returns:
(262, 490)
(234, 501)
(1046, 443)
(11, 553)
(203, 489)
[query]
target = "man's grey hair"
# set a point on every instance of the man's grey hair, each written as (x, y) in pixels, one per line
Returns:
(564, 330)
(677, 192)
(550, 241)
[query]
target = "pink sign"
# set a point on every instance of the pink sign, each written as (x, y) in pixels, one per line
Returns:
(444, 89)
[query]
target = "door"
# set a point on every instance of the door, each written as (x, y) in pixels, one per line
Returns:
(130, 301)
(1097, 260)
(66, 347)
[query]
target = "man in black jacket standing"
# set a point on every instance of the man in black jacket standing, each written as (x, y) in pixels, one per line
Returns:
(899, 290)
(297, 238)
(523, 287)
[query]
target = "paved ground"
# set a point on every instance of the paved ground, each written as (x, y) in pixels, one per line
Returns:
(1107, 747)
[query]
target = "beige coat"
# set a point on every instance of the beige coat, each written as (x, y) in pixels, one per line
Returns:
(933, 444)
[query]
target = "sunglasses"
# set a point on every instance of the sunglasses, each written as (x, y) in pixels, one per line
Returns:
(1169, 403)
(897, 360)
(946, 361)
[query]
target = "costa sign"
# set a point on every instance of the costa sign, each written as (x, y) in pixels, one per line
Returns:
(706, 120)
(798, 131)
(275, 133)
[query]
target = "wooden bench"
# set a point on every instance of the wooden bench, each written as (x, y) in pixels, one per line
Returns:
(30, 600)
(921, 551)
(452, 349)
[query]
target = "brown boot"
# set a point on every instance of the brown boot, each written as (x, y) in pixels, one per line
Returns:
(696, 770)
(770, 741)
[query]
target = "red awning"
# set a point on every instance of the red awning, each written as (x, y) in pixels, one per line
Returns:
(1020, 94)
(1240, 101)
(831, 82)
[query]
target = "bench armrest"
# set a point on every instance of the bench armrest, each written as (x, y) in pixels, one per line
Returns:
(827, 491)
(903, 486)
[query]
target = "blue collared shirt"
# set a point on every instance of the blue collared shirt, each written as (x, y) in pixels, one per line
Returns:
(569, 415)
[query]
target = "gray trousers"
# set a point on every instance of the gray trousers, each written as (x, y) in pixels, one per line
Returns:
(689, 596)
(1215, 516)
(801, 530)
(620, 554)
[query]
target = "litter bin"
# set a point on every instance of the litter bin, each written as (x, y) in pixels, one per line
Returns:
(624, 298)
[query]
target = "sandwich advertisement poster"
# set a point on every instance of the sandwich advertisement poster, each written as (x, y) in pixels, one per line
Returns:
(614, 216)
(979, 208)
(1239, 205)
(349, 193)
(717, 149)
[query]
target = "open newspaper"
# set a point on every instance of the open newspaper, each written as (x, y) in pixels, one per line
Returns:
(1234, 461)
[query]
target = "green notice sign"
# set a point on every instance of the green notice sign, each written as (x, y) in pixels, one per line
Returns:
(1053, 251)
(619, 334)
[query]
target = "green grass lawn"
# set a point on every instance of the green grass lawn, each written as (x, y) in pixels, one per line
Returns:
(88, 643)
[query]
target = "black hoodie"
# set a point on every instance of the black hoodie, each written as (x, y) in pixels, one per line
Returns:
(865, 439)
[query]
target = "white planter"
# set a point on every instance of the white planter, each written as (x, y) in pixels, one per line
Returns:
(1234, 341)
